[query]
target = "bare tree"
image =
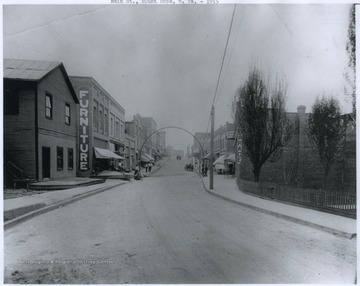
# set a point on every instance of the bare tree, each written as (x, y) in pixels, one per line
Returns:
(260, 119)
(326, 129)
(350, 74)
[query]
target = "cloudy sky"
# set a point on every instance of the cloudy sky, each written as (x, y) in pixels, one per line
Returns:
(164, 60)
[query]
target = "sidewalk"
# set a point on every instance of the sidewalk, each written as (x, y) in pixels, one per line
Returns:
(20, 209)
(23, 208)
(226, 188)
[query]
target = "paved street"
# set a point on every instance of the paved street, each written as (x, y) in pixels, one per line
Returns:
(167, 229)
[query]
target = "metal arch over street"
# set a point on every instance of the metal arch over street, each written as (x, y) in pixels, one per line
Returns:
(168, 127)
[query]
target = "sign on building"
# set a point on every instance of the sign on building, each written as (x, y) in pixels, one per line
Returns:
(84, 130)
(239, 150)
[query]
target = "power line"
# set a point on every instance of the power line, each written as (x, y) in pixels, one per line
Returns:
(231, 53)
(282, 20)
(53, 22)
(222, 63)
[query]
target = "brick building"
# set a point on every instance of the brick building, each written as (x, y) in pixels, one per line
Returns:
(130, 159)
(161, 143)
(151, 142)
(40, 123)
(299, 165)
(135, 128)
(101, 127)
(224, 140)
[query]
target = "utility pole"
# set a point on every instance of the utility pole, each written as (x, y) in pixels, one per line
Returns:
(212, 115)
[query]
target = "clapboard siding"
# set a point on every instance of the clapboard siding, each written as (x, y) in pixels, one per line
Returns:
(19, 130)
(54, 132)
(55, 84)
(27, 132)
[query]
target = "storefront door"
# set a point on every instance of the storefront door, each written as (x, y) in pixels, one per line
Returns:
(46, 162)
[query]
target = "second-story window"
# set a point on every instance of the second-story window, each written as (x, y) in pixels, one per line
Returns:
(106, 122)
(67, 114)
(100, 119)
(117, 129)
(112, 126)
(95, 117)
(48, 106)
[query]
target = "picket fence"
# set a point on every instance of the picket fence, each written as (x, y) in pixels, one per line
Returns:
(340, 203)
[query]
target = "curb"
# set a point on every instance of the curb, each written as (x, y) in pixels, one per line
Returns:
(14, 213)
(286, 217)
(49, 208)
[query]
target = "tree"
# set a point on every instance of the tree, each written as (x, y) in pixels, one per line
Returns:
(260, 119)
(326, 129)
(350, 74)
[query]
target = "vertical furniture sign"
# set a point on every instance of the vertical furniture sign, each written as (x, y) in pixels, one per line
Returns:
(84, 129)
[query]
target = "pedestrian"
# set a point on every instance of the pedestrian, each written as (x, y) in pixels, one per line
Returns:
(150, 164)
(121, 166)
(137, 173)
(146, 167)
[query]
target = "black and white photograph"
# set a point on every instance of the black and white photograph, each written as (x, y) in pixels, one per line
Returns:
(179, 142)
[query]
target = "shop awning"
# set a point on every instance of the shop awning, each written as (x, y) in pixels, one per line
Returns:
(144, 159)
(220, 160)
(230, 158)
(106, 154)
(148, 157)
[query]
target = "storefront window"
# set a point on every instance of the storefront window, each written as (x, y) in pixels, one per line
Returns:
(70, 159)
(60, 158)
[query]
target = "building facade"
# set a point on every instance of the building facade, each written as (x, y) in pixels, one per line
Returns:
(40, 121)
(161, 143)
(201, 145)
(101, 127)
(130, 159)
(298, 163)
(151, 141)
(224, 140)
(137, 130)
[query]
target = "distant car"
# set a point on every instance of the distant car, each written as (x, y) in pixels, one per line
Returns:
(189, 167)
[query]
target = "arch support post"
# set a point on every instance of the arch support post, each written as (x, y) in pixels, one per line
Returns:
(211, 169)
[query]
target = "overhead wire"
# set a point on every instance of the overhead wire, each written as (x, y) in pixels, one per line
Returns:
(231, 54)
(7, 35)
(223, 59)
(222, 64)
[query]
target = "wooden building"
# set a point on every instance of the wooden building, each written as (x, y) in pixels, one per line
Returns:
(40, 125)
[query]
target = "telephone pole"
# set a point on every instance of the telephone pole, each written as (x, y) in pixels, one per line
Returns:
(212, 115)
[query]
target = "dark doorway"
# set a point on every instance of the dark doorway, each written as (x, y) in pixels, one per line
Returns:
(45, 162)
